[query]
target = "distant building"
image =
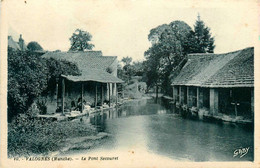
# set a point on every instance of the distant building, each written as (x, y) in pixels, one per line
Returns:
(20, 45)
(96, 84)
(217, 84)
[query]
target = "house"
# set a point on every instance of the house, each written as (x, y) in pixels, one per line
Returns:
(20, 45)
(96, 84)
(217, 84)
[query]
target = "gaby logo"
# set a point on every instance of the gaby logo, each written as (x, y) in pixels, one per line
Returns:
(241, 152)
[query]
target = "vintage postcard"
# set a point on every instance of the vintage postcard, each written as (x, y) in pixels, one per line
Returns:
(134, 83)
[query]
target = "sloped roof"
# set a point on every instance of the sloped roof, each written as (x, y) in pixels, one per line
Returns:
(234, 69)
(87, 59)
(13, 44)
(92, 65)
(94, 75)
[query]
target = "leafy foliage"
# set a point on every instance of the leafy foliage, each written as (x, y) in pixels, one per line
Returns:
(200, 40)
(80, 41)
(34, 46)
(130, 69)
(170, 45)
(29, 136)
(166, 53)
(29, 76)
(56, 68)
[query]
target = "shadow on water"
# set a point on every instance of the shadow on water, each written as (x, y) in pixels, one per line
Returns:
(159, 128)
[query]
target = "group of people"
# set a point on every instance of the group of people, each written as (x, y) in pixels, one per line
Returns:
(77, 107)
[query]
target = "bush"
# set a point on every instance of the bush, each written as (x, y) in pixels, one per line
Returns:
(30, 136)
(42, 106)
(30, 76)
(27, 78)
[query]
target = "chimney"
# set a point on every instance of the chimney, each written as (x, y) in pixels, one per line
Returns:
(21, 43)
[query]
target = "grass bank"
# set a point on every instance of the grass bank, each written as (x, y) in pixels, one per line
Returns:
(28, 136)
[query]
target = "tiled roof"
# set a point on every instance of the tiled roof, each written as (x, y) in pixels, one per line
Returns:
(92, 64)
(94, 75)
(234, 69)
(87, 59)
(13, 44)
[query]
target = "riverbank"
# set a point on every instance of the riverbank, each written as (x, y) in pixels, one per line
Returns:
(30, 136)
(204, 114)
(77, 114)
(80, 143)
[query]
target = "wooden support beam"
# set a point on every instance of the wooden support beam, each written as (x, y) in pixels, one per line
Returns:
(82, 91)
(114, 89)
(198, 97)
(102, 94)
(180, 95)
(173, 96)
(214, 101)
(109, 97)
(62, 95)
(56, 91)
(188, 97)
(116, 94)
(252, 102)
(96, 97)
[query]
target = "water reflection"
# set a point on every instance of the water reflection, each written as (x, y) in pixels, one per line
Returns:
(157, 128)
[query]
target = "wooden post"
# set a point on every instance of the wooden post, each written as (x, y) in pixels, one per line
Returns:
(114, 89)
(82, 89)
(234, 102)
(198, 97)
(62, 95)
(116, 94)
(188, 97)
(180, 95)
(102, 94)
(213, 101)
(56, 91)
(252, 102)
(96, 97)
(109, 97)
(176, 93)
(173, 98)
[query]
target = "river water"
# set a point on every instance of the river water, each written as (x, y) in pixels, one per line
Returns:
(158, 129)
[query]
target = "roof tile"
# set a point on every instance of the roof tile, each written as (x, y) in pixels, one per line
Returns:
(234, 69)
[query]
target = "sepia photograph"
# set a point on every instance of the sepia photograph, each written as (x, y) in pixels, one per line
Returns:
(149, 83)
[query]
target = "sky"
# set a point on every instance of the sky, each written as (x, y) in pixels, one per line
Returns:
(121, 28)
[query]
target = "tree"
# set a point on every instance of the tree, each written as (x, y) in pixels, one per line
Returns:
(170, 45)
(30, 76)
(127, 69)
(203, 37)
(126, 60)
(138, 68)
(34, 46)
(27, 77)
(80, 41)
(166, 53)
